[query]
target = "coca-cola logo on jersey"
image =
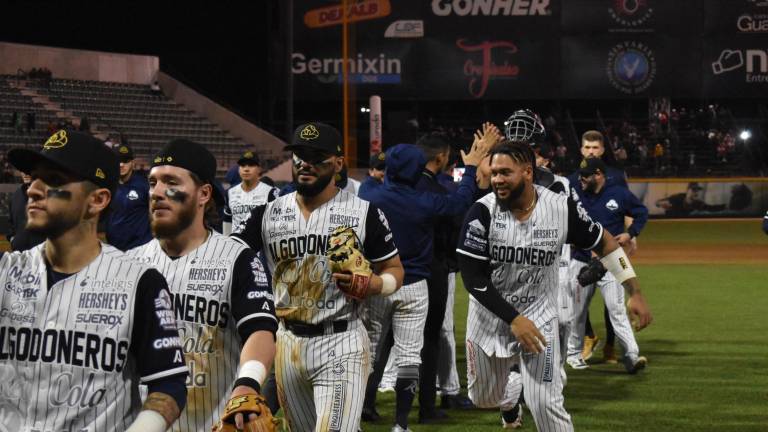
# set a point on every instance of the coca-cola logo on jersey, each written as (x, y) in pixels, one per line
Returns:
(491, 60)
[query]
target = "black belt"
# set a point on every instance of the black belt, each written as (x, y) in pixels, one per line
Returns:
(311, 330)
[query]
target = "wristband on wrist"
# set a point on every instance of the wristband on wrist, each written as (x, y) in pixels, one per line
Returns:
(388, 284)
(618, 264)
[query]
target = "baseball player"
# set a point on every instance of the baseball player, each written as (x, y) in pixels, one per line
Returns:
(593, 145)
(82, 324)
(765, 222)
(128, 224)
(608, 204)
(509, 251)
(220, 293)
(411, 213)
(323, 351)
(245, 196)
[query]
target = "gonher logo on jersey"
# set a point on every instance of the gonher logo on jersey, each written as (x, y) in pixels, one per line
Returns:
(612, 205)
(754, 61)
(357, 11)
(405, 29)
(361, 69)
(57, 140)
(631, 67)
(630, 13)
(489, 67)
(443, 8)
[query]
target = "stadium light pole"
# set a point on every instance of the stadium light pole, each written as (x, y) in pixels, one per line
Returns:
(345, 76)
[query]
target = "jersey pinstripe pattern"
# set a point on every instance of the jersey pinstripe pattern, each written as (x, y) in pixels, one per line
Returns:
(201, 286)
(320, 379)
(530, 289)
(64, 352)
(295, 252)
(240, 203)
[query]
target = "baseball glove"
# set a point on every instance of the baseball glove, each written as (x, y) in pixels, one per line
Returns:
(247, 404)
(344, 256)
(591, 273)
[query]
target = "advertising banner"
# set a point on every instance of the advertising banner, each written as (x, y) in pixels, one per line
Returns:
(678, 199)
(735, 66)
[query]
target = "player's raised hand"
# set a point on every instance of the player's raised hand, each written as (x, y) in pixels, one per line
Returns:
(639, 312)
(485, 139)
(528, 335)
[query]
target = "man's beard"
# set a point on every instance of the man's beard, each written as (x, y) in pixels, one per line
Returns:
(590, 186)
(55, 226)
(514, 194)
(313, 189)
(184, 219)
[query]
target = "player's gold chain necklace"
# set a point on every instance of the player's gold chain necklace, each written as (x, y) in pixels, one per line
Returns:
(533, 201)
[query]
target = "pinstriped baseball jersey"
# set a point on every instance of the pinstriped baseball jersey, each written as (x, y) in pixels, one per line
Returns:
(218, 290)
(73, 352)
(240, 203)
(295, 252)
(524, 259)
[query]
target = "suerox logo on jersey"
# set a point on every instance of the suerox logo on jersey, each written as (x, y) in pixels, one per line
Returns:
(200, 310)
(207, 280)
(297, 247)
(70, 347)
(99, 318)
(523, 255)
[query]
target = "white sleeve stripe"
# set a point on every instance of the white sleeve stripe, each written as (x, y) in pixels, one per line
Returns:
(463, 252)
(599, 237)
(239, 240)
(165, 373)
(386, 257)
(256, 315)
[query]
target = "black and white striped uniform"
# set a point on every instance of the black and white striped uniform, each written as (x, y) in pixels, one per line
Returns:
(220, 296)
(74, 348)
(524, 263)
(321, 378)
(240, 203)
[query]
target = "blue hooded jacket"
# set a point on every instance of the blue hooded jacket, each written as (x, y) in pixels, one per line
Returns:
(410, 212)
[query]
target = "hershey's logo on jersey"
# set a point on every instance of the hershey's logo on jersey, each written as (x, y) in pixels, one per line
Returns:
(200, 310)
(523, 255)
(103, 300)
(297, 247)
(76, 348)
(545, 233)
(343, 219)
(207, 274)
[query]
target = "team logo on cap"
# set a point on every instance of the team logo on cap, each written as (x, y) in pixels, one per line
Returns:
(158, 159)
(248, 155)
(57, 140)
(382, 156)
(583, 163)
(310, 132)
(100, 173)
(123, 150)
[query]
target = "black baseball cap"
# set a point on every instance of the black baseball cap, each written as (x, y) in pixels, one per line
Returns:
(378, 161)
(319, 136)
(194, 158)
(124, 153)
(590, 166)
(77, 153)
(248, 158)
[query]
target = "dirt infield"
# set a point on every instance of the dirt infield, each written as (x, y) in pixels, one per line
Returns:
(701, 254)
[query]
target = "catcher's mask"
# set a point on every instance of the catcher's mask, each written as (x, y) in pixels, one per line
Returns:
(524, 126)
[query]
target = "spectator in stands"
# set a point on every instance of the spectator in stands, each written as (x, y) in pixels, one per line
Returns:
(658, 156)
(31, 121)
(17, 122)
(20, 238)
(85, 125)
(128, 221)
(155, 88)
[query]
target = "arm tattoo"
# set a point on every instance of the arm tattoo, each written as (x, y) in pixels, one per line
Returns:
(163, 404)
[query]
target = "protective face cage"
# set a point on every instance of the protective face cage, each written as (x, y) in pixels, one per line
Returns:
(524, 125)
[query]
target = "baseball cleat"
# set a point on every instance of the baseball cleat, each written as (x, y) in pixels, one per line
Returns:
(577, 363)
(609, 355)
(590, 343)
(512, 419)
(398, 428)
(386, 389)
(634, 367)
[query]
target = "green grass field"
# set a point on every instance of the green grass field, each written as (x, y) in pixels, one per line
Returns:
(707, 349)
